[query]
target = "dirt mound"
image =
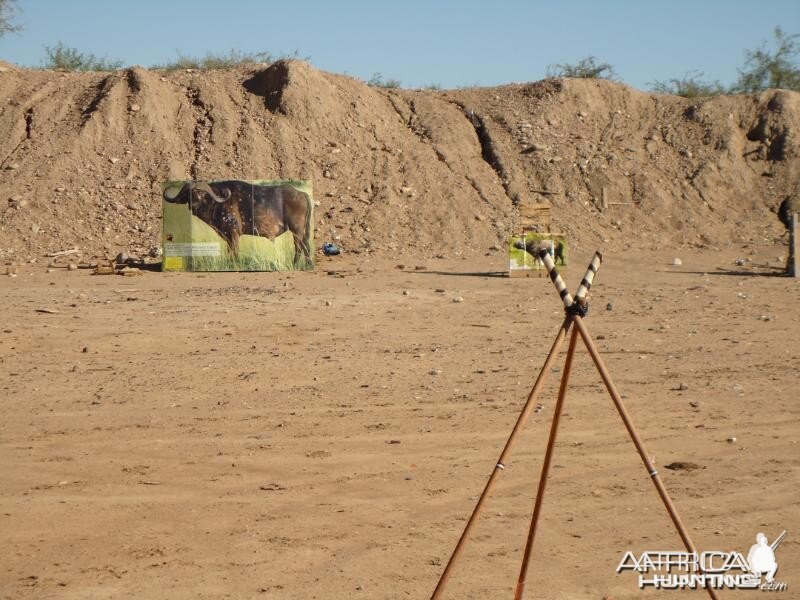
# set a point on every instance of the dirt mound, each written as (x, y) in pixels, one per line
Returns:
(417, 172)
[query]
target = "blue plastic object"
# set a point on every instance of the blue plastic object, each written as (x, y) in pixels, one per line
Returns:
(330, 249)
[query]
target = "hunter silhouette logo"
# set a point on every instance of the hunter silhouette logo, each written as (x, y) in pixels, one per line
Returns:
(710, 569)
(761, 557)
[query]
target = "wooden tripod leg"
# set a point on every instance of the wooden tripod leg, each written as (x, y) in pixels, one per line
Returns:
(504, 456)
(551, 442)
(626, 419)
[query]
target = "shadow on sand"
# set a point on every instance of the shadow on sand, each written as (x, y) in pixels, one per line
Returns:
(145, 266)
(775, 272)
(463, 274)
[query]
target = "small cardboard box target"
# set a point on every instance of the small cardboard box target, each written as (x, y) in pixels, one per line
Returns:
(234, 225)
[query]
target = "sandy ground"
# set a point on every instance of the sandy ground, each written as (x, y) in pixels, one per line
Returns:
(310, 435)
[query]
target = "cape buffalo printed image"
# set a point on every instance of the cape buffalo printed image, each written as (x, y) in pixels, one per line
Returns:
(235, 208)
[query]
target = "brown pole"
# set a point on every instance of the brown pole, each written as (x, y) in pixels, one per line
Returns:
(793, 258)
(626, 419)
(504, 456)
(551, 442)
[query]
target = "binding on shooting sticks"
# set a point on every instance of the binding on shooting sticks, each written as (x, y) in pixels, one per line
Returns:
(575, 311)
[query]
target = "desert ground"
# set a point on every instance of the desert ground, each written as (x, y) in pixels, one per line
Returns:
(326, 434)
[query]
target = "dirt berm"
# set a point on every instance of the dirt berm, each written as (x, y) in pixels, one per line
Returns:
(426, 173)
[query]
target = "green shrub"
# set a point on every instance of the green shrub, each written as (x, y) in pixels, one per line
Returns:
(8, 11)
(377, 80)
(689, 86)
(64, 58)
(586, 68)
(226, 60)
(765, 69)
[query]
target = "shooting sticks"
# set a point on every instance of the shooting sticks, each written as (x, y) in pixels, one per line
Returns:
(575, 309)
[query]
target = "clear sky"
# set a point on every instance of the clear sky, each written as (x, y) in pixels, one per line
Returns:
(446, 42)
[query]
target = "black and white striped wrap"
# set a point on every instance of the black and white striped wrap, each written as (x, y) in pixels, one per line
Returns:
(545, 257)
(586, 282)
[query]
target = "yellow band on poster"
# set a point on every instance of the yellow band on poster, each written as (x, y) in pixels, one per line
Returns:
(173, 262)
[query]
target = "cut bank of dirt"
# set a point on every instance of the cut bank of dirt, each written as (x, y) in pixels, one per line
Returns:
(395, 171)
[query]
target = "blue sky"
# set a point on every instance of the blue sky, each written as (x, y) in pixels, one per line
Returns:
(449, 43)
